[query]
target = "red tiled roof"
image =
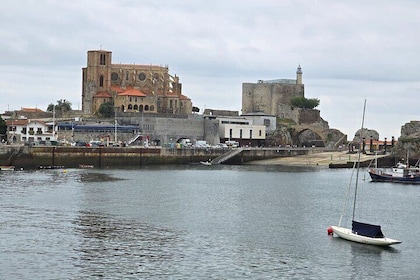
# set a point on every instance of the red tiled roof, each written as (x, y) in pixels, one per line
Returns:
(116, 89)
(183, 97)
(33, 110)
(132, 92)
(103, 94)
(10, 122)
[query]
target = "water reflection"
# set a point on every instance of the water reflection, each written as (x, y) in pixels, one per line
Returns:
(92, 177)
(361, 254)
(113, 246)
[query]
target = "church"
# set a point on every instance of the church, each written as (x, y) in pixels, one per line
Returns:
(130, 87)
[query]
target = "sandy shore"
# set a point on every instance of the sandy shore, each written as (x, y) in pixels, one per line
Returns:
(315, 159)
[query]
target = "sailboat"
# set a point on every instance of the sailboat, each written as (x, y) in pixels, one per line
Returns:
(361, 232)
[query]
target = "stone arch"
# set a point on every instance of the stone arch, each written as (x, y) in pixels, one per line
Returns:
(307, 137)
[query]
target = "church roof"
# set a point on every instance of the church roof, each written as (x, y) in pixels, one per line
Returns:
(103, 94)
(132, 92)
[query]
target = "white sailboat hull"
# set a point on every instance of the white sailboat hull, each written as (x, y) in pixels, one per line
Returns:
(347, 234)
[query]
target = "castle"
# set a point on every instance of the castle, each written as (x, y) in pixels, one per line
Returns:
(272, 97)
(130, 87)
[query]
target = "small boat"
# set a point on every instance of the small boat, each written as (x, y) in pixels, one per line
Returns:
(361, 232)
(51, 167)
(7, 168)
(85, 166)
(401, 173)
(364, 233)
(208, 162)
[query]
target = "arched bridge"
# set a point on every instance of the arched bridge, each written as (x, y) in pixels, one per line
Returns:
(305, 133)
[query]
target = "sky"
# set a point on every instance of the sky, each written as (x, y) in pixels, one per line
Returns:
(349, 51)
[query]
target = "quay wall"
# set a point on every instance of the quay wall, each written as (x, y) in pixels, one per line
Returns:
(32, 157)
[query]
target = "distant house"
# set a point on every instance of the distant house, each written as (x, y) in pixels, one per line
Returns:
(26, 130)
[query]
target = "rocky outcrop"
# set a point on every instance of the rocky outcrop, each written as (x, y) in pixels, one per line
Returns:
(409, 141)
(367, 134)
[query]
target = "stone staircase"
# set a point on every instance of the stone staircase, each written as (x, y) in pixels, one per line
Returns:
(229, 154)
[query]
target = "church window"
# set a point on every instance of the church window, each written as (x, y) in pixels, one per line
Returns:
(136, 107)
(152, 108)
(130, 107)
(101, 81)
(146, 107)
(102, 59)
(141, 108)
(126, 75)
(170, 103)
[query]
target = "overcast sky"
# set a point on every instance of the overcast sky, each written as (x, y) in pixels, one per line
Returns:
(349, 51)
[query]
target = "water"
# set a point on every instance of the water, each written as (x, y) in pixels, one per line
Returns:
(199, 222)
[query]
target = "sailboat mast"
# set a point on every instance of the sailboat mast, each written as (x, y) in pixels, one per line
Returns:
(358, 161)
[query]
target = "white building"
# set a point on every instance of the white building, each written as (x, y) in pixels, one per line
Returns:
(240, 129)
(25, 130)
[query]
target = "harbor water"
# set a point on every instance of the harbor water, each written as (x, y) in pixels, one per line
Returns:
(200, 222)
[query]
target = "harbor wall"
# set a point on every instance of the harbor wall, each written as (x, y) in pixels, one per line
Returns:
(32, 157)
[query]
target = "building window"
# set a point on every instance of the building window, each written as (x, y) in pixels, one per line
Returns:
(267, 122)
(170, 103)
(126, 75)
(230, 133)
(141, 108)
(152, 108)
(102, 59)
(250, 134)
(130, 107)
(146, 108)
(260, 133)
(136, 107)
(240, 133)
(101, 81)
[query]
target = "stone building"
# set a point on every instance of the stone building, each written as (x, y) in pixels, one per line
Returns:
(269, 96)
(130, 87)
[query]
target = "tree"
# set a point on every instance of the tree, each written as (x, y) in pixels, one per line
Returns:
(3, 127)
(106, 110)
(61, 107)
(305, 103)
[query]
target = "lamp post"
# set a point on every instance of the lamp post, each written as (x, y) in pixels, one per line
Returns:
(115, 125)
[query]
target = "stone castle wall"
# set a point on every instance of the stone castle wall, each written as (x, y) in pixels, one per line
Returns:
(265, 97)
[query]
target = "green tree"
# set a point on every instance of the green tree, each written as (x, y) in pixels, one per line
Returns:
(106, 110)
(3, 126)
(62, 106)
(305, 103)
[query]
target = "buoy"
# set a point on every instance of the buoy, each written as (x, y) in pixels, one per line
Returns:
(330, 231)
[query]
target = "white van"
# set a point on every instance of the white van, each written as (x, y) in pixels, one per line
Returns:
(233, 144)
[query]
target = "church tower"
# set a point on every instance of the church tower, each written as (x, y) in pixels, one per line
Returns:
(96, 77)
(299, 75)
